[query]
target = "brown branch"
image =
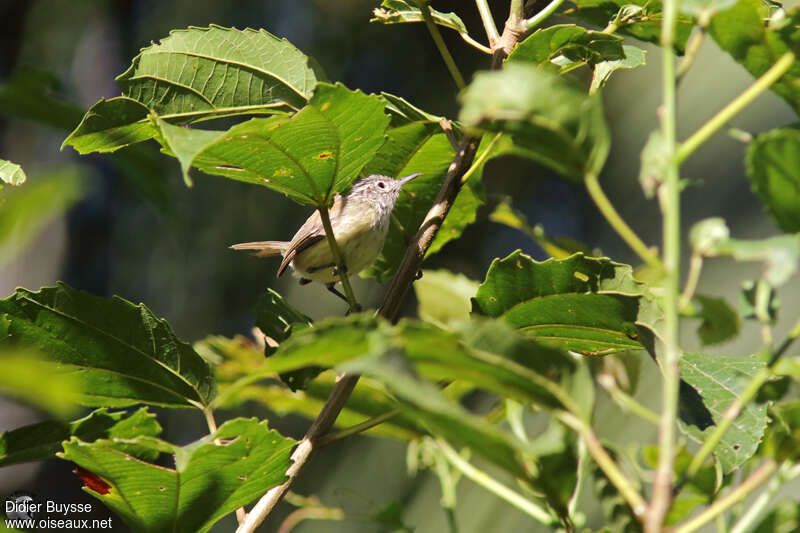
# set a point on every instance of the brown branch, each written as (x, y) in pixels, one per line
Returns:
(513, 32)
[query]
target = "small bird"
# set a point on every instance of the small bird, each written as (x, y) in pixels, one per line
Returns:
(360, 223)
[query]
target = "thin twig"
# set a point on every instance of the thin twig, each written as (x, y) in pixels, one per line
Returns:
(539, 17)
(692, 47)
(480, 159)
(785, 473)
(625, 400)
(358, 428)
(447, 128)
(436, 35)
(759, 476)
(764, 82)
(613, 217)
(495, 487)
(488, 21)
(606, 463)
(695, 267)
(475, 44)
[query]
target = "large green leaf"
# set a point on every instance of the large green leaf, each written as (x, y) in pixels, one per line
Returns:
(195, 74)
(419, 146)
(773, 166)
(26, 211)
(573, 42)
(41, 441)
(210, 479)
(592, 306)
(637, 18)
(719, 381)
(742, 33)
(121, 353)
(316, 154)
(490, 357)
(549, 119)
(11, 173)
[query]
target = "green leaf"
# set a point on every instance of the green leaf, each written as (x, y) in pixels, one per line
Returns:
(444, 417)
(592, 306)
(121, 353)
(548, 118)
(490, 356)
(719, 381)
(637, 18)
(634, 57)
(195, 74)
(720, 321)
(311, 157)
(26, 211)
(443, 297)
(41, 441)
(779, 255)
(209, 480)
(618, 514)
(742, 33)
(573, 42)
(707, 234)
(276, 318)
(773, 166)
(782, 441)
(399, 11)
(420, 146)
(785, 517)
(30, 379)
(110, 125)
(11, 173)
(403, 112)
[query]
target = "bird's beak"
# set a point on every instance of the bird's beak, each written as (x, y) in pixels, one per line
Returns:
(408, 178)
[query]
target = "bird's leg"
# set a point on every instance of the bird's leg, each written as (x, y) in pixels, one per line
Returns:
(304, 281)
(340, 269)
(332, 289)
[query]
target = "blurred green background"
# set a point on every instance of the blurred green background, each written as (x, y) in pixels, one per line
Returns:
(127, 225)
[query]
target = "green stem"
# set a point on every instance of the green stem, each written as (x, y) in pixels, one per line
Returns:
(670, 195)
(695, 266)
(488, 21)
(761, 475)
(481, 158)
(692, 47)
(433, 29)
(730, 414)
(358, 428)
(740, 102)
(475, 44)
(606, 463)
(785, 473)
(626, 401)
(337, 259)
(620, 226)
(498, 489)
(543, 14)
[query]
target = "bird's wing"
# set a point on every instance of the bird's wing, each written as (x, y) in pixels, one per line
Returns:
(310, 233)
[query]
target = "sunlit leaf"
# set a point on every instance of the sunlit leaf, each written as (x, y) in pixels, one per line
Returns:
(41, 441)
(742, 33)
(195, 74)
(399, 11)
(209, 479)
(444, 297)
(593, 306)
(310, 157)
(11, 173)
(549, 119)
(719, 381)
(30, 379)
(570, 41)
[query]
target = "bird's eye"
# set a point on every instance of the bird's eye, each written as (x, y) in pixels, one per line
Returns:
(382, 185)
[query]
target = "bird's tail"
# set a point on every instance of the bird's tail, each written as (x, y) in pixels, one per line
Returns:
(263, 248)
